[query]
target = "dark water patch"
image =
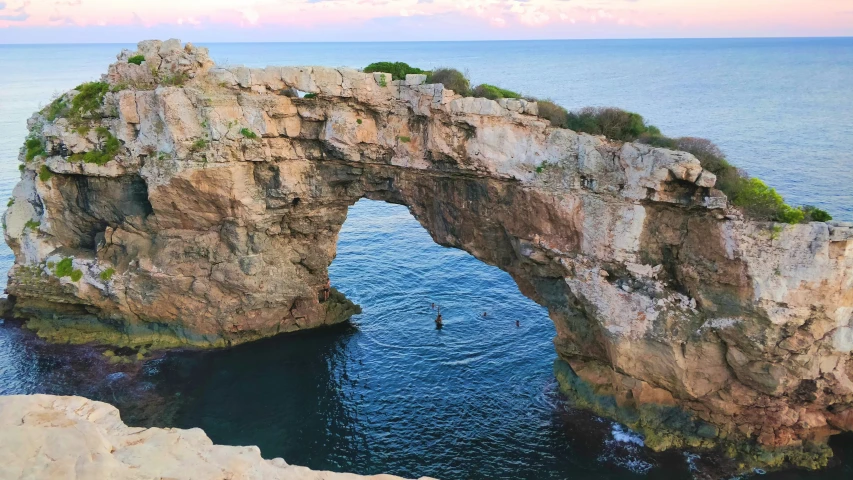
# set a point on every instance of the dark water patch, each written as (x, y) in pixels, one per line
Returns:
(30, 365)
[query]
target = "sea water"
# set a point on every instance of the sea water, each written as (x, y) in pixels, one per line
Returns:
(477, 399)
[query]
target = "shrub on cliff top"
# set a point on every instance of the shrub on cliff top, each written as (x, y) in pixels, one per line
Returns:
(398, 70)
(729, 177)
(752, 196)
(452, 79)
(814, 214)
(557, 115)
(493, 93)
(762, 202)
(611, 122)
(136, 59)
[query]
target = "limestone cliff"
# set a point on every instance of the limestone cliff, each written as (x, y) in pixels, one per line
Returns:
(44, 436)
(190, 204)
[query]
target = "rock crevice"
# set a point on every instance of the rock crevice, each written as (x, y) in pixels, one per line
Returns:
(220, 211)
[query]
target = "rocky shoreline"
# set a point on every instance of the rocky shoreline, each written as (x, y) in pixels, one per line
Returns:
(46, 436)
(177, 203)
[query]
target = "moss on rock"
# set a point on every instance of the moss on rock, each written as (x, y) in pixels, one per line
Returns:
(664, 427)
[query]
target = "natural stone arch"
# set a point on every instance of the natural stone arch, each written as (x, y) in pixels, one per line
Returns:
(664, 299)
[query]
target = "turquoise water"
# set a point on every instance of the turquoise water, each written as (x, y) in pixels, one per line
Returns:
(477, 399)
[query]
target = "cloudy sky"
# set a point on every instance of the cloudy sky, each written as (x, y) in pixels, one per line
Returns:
(64, 21)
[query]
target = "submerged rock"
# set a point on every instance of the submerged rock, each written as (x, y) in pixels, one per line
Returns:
(45, 436)
(200, 205)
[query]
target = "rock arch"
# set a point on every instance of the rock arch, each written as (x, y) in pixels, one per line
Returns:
(676, 315)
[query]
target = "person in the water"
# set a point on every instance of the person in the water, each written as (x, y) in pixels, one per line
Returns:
(517, 323)
(438, 322)
(485, 314)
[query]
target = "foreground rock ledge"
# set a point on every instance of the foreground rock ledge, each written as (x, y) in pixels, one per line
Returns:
(217, 213)
(45, 436)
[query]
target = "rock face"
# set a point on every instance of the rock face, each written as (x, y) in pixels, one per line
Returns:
(44, 436)
(216, 218)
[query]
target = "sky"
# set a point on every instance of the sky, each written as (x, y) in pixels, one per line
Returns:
(122, 21)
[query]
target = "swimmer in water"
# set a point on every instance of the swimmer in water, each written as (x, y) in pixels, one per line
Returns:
(438, 321)
(485, 314)
(517, 323)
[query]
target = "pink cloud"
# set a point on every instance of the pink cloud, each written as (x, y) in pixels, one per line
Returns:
(520, 18)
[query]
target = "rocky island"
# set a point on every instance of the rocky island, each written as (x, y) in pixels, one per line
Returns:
(177, 203)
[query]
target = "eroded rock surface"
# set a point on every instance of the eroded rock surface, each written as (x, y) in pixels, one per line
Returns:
(216, 220)
(45, 436)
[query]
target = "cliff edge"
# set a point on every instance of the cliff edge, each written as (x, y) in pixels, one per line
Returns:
(45, 436)
(180, 203)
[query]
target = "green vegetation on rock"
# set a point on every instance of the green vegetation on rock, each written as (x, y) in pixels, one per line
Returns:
(199, 144)
(44, 173)
(398, 70)
(136, 59)
(752, 196)
(613, 123)
(89, 99)
(35, 148)
(758, 200)
(557, 115)
(32, 225)
(56, 108)
(109, 148)
(64, 268)
(107, 274)
(404, 139)
(452, 79)
(814, 214)
(175, 79)
(665, 427)
(493, 93)
(248, 133)
(310, 95)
